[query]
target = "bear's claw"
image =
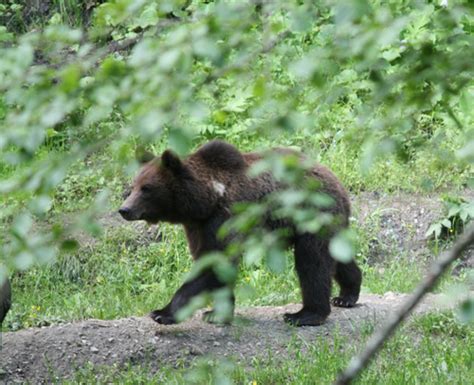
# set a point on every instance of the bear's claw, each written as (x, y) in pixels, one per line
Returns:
(344, 301)
(162, 317)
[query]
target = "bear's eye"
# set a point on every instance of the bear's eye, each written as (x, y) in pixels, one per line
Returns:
(147, 188)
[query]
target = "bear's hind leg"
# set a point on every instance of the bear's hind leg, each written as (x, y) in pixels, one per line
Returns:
(313, 266)
(349, 278)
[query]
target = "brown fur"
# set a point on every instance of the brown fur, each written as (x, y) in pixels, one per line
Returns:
(5, 299)
(199, 192)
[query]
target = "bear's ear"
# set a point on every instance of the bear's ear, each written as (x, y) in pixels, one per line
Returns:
(171, 161)
(143, 156)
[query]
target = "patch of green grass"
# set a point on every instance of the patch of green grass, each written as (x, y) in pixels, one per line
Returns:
(397, 277)
(442, 324)
(110, 278)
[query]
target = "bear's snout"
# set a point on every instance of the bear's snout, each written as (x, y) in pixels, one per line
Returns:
(126, 213)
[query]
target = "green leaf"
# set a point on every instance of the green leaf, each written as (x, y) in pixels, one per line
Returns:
(225, 270)
(223, 305)
(196, 302)
(467, 152)
(24, 260)
(22, 224)
(168, 59)
(342, 246)
(276, 259)
(70, 78)
(292, 197)
(302, 20)
(446, 223)
(148, 17)
(5, 36)
(41, 204)
(434, 229)
(469, 208)
(466, 310)
(180, 141)
(453, 211)
(69, 245)
(304, 68)
(238, 102)
(253, 253)
(207, 48)
(45, 254)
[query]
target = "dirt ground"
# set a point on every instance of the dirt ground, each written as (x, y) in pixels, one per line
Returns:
(399, 223)
(42, 355)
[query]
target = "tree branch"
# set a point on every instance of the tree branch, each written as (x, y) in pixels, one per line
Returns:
(127, 44)
(360, 361)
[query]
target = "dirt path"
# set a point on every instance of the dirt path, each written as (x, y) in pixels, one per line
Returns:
(43, 354)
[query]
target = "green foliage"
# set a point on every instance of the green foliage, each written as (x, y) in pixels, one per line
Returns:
(442, 325)
(467, 310)
(23, 16)
(342, 246)
(458, 213)
(381, 92)
(329, 72)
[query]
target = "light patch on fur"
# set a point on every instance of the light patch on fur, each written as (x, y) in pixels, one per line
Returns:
(218, 187)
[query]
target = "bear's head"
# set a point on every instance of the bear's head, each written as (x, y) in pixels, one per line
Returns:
(168, 189)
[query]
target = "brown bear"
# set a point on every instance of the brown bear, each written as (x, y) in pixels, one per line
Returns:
(199, 191)
(5, 298)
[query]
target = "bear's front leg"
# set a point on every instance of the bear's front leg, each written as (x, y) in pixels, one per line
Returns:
(206, 281)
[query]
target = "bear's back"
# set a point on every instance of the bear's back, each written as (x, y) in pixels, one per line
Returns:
(225, 165)
(220, 155)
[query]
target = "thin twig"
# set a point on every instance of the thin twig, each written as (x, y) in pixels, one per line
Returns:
(360, 361)
(126, 44)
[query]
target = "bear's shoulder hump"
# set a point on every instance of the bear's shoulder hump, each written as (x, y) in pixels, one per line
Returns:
(222, 155)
